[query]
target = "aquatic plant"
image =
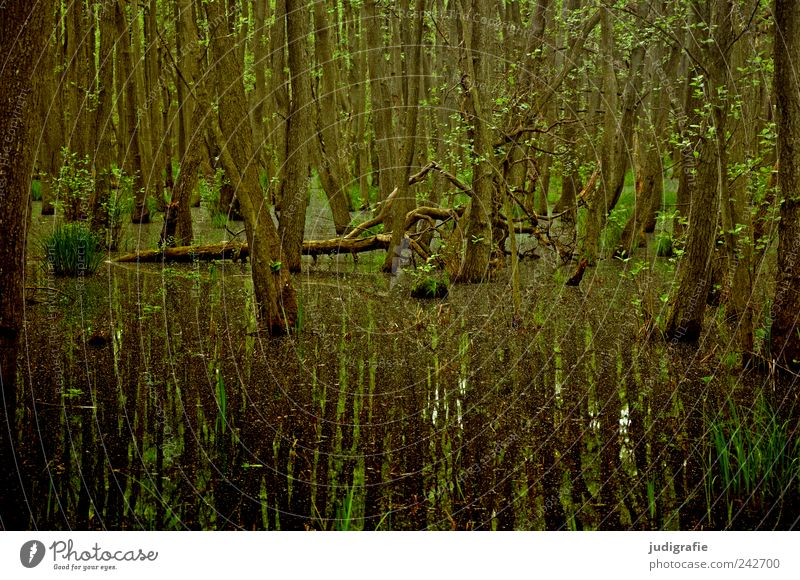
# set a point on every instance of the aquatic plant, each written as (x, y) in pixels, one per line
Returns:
(73, 250)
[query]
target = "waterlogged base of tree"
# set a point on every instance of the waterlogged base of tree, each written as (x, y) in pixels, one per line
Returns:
(240, 251)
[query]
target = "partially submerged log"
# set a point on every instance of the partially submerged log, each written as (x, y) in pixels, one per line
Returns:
(239, 251)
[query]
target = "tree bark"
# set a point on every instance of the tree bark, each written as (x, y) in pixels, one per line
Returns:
(296, 183)
(785, 336)
(475, 263)
(133, 151)
(406, 201)
(21, 33)
(331, 168)
(688, 297)
(104, 156)
(380, 101)
(276, 304)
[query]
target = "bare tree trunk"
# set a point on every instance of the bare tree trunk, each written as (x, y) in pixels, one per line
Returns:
(20, 46)
(405, 200)
(280, 114)
(295, 187)
(51, 108)
(153, 104)
(133, 151)
(651, 143)
(196, 97)
(617, 134)
(332, 172)
(785, 337)
(380, 100)
(260, 11)
(104, 156)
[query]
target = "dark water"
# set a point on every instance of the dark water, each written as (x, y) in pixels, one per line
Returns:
(150, 402)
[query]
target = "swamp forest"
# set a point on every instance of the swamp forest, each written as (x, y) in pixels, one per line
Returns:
(400, 265)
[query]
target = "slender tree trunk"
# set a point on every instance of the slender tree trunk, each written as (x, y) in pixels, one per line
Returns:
(478, 249)
(133, 151)
(619, 124)
(280, 92)
(785, 336)
(380, 101)
(21, 33)
(331, 169)
(295, 188)
(196, 97)
(651, 144)
(153, 104)
(104, 155)
(260, 10)
(52, 117)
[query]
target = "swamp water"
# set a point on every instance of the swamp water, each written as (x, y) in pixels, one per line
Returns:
(149, 401)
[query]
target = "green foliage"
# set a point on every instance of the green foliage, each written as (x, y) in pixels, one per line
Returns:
(210, 194)
(344, 513)
(426, 284)
(74, 185)
(73, 250)
(664, 245)
(36, 190)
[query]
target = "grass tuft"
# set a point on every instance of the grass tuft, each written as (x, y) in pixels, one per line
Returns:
(73, 250)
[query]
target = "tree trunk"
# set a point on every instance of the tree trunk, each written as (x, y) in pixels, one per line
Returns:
(785, 336)
(280, 90)
(295, 187)
(651, 144)
(21, 46)
(331, 168)
(688, 297)
(405, 200)
(380, 101)
(51, 106)
(104, 156)
(133, 151)
(276, 304)
(196, 97)
(478, 249)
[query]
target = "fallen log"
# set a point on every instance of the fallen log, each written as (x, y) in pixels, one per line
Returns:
(239, 251)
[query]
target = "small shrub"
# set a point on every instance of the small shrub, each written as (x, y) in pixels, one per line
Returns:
(73, 250)
(664, 248)
(428, 287)
(74, 186)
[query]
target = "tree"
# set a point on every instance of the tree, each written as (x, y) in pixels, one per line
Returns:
(20, 70)
(405, 201)
(785, 335)
(276, 304)
(298, 132)
(134, 151)
(474, 81)
(104, 156)
(711, 53)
